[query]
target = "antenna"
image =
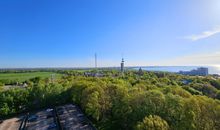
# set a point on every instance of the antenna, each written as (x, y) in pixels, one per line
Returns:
(95, 60)
(52, 78)
(122, 57)
(122, 64)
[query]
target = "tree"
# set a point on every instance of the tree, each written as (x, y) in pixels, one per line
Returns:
(152, 123)
(173, 111)
(4, 109)
(145, 103)
(1, 86)
(215, 83)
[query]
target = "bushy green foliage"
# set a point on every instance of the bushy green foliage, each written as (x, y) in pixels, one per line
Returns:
(132, 101)
(1, 86)
(152, 123)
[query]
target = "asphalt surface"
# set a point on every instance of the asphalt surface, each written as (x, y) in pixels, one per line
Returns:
(71, 118)
(42, 121)
(67, 117)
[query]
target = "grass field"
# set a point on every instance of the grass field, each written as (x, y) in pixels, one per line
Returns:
(25, 76)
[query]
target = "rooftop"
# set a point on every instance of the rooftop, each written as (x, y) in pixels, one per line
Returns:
(68, 117)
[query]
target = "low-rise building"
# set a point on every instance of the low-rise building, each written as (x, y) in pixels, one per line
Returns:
(202, 71)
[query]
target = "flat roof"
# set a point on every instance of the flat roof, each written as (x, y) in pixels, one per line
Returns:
(42, 121)
(11, 124)
(72, 118)
(68, 117)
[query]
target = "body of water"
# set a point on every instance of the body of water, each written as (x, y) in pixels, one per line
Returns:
(212, 69)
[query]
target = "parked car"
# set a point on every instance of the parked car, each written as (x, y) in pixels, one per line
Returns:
(50, 115)
(32, 118)
(49, 110)
(60, 112)
(84, 122)
(80, 115)
(52, 126)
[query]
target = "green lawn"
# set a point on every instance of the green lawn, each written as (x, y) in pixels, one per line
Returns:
(25, 76)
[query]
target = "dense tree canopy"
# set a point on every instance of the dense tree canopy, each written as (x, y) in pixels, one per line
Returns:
(153, 123)
(151, 101)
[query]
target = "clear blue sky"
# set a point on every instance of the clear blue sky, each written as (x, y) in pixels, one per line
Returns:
(67, 33)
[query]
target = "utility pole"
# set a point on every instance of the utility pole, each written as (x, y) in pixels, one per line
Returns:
(95, 61)
(52, 78)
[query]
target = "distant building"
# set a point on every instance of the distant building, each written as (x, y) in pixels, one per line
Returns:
(122, 65)
(202, 71)
(140, 71)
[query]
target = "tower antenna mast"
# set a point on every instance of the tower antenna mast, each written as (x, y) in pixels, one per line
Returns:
(95, 60)
(122, 64)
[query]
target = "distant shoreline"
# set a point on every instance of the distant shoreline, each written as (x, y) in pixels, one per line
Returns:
(9, 68)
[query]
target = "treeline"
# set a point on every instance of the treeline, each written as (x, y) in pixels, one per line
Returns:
(9, 81)
(151, 101)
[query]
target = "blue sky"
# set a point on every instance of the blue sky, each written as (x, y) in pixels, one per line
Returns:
(53, 33)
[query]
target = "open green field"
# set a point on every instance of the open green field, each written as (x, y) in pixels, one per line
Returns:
(20, 77)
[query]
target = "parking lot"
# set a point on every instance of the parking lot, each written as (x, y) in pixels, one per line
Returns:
(66, 117)
(42, 120)
(71, 118)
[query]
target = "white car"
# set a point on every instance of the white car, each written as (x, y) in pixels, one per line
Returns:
(49, 110)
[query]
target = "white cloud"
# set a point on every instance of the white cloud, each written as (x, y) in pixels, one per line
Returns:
(204, 34)
(196, 59)
(199, 59)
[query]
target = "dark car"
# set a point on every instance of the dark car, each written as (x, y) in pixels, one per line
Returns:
(52, 126)
(32, 118)
(50, 115)
(84, 122)
(60, 112)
